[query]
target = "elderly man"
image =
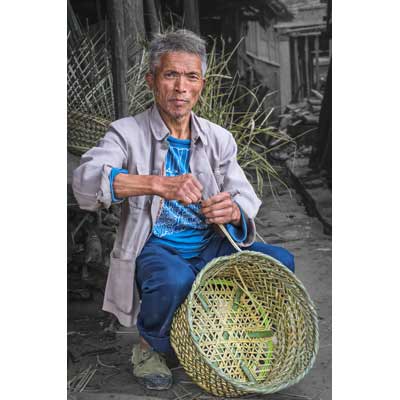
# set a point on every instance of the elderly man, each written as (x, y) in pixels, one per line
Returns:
(176, 175)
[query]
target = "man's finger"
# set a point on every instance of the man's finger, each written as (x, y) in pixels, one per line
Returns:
(196, 183)
(218, 220)
(196, 192)
(217, 206)
(216, 199)
(219, 213)
(191, 196)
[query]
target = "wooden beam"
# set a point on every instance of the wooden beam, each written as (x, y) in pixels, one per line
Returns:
(307, 66)
(115, 10)
(294, 31)
(314, 33)
(316, 49)
(285, 81)
(191, 15)
(296, 69)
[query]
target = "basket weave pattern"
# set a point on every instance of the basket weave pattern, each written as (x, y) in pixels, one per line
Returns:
(84, 131)
(247, 326)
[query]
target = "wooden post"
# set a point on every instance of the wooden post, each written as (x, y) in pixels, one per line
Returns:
(134, 29)
(296, 69)
(311, 62)
(191, 15)
(151, 17)
(231, 30)
(241, 51)
(316, 46)
(285, 81)
(115, 10)
(98, 11)
(306, 66)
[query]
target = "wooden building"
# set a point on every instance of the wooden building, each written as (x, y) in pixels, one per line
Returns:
(283, 51)
(304, 50)
(256, 59)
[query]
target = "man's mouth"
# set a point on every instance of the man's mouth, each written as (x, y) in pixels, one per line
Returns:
(179, 101)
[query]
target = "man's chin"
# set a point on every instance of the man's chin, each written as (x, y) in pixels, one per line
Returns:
(179, 114)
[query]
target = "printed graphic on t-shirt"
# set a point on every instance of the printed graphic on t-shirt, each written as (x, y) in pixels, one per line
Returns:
(175, 217)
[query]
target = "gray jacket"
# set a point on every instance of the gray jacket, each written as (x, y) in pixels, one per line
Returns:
(139, 145)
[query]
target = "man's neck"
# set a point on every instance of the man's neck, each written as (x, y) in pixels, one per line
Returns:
(179, 127)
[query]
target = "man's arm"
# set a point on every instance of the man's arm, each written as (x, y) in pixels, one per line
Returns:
(91, 183)
(184, 188)
(236, 184)
(91, 180)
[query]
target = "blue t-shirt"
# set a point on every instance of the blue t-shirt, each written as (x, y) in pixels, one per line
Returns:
(178, 226)
(182, 227)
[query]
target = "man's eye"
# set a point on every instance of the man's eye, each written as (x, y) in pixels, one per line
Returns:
(193, 77)
(170, 75)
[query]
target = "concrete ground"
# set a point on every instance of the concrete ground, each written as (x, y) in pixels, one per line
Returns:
(98, 358)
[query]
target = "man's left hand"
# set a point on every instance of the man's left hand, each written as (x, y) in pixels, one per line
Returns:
(221, 209)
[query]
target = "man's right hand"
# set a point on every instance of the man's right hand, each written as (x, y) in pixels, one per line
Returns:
(184, 188)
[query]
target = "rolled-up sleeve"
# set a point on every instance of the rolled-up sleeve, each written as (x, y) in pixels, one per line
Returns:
(238, 233)
(91, 184)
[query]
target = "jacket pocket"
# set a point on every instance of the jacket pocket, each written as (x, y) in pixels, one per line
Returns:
(120, 283)
(140, 202)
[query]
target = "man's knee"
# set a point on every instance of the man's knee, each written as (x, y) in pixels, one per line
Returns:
(282, 255)
(177, 284)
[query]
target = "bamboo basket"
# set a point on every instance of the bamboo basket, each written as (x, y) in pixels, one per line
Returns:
(247, 326)
(84, 131)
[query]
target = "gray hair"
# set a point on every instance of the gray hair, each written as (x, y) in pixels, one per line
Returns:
(181, 40)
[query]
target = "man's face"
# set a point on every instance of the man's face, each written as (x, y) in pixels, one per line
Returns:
(177, 83)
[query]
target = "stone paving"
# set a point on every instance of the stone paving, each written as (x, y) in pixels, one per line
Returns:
(93, 346)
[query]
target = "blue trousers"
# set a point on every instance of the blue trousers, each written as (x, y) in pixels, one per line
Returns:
(164, 279)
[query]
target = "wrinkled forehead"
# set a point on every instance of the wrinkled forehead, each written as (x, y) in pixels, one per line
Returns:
(180, 62)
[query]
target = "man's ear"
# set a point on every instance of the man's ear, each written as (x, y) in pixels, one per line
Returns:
(150, 80)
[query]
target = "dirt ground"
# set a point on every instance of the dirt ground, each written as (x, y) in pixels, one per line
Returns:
(98, 353)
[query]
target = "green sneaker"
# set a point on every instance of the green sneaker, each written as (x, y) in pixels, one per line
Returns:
(150, 368)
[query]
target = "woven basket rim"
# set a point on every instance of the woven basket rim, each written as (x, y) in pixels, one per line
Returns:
(255, 387)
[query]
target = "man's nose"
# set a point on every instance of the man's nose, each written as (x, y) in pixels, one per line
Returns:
(180, 84)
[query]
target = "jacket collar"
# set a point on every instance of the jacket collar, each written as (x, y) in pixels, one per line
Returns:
(161, 131)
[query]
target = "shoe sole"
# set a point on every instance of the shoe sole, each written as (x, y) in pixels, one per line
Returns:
(147, 385)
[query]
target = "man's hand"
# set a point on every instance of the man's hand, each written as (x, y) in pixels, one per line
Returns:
(184, 188)
(221, 209)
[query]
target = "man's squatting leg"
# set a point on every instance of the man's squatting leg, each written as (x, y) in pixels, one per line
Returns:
(164, 280)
